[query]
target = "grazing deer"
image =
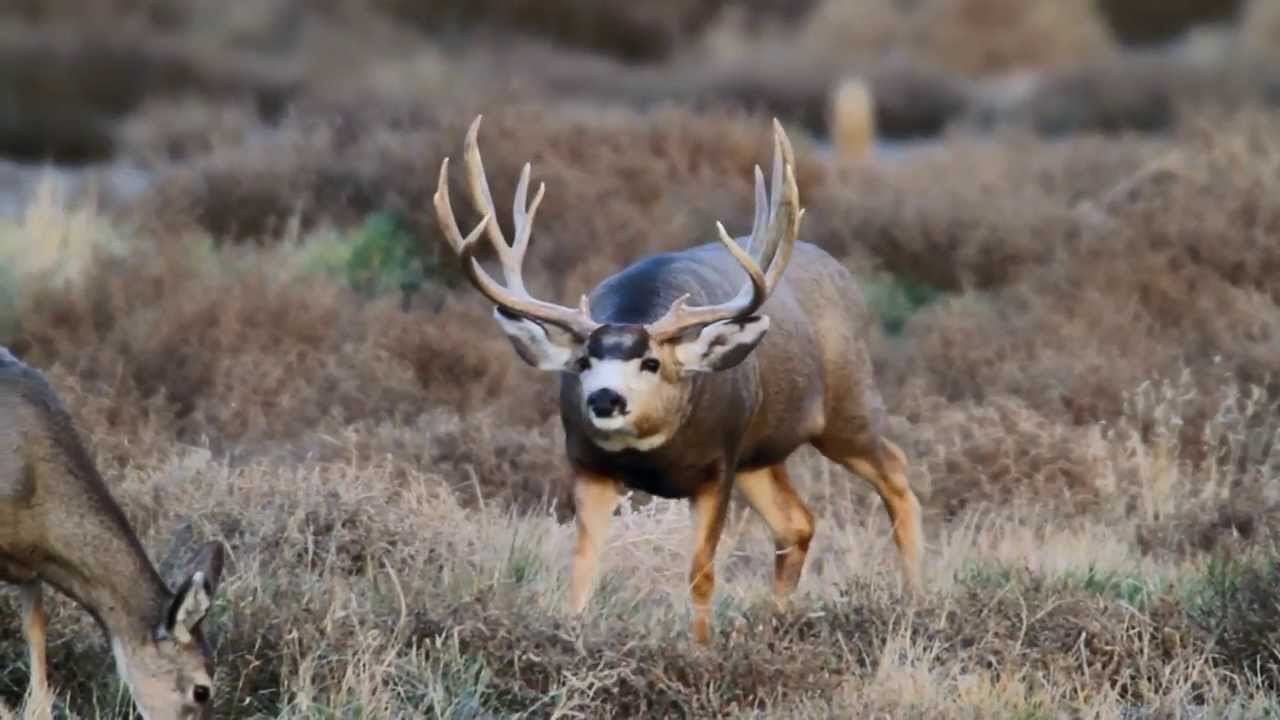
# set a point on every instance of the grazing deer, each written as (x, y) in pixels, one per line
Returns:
(669, 385)
(60, 526)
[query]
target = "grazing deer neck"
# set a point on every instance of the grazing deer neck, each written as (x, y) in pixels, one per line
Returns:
(123, 591)
(125, 595)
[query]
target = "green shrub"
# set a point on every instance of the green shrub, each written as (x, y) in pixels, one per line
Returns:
(1236, 603)
(380, 257)
(894, 300)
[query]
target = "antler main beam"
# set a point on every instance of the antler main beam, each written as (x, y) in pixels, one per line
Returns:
(776, 223)
(513, 297)
(774, 228)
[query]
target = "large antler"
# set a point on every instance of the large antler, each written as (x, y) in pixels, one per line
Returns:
(776, 223)
(514, 297)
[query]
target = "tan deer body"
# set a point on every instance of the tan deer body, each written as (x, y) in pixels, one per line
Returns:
(777, 399)
(60, 526)
(688, 374)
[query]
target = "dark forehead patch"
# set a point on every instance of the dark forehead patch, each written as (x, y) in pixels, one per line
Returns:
(618, 342)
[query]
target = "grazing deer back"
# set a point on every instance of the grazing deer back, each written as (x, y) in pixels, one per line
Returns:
(50, 490)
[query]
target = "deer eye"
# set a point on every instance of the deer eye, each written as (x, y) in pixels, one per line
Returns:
(584, 363)
(650, 365)
(200, 693)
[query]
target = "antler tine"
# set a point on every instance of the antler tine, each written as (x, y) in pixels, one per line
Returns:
(785, 232)
(760, 219)
(778, 219)
(782, 161)
(756, 278)
(480, 277)
(514, 296)
(479, 186)
(523, 214)
(444, 210)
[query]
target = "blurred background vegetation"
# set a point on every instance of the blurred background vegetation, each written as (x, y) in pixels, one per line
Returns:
(216, 237)
(93, 80)
(116, 94)
(972, 160)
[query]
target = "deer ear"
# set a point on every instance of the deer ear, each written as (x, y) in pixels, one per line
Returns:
(722, 345)
(532, 343)
(194, 597)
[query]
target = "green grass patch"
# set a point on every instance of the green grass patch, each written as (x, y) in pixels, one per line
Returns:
(1236, 603)
(1129, 589)
(896, 299)
(985, 575)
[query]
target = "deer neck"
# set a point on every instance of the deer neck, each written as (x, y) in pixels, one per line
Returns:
(116, 582)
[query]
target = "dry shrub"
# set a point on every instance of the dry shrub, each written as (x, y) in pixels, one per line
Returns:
(281, 353)
(1143, 22)
(977, 37)
(163, 130)
(967, 37)
(1132, 93)
(1011, 213)
(1259, 32)
(1176, 272)
(1078, 283)
(624, 176)
(75, 84)
(1001, 454)
(633, 31)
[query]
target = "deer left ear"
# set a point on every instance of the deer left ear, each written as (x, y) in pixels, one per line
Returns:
(532, 343)
(722, 345)
(194, 597)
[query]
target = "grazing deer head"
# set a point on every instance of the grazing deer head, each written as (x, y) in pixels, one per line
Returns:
(688, 374)
(169, 670)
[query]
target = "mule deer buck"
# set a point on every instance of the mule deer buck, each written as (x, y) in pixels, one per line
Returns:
(60, 526)
(669, 384)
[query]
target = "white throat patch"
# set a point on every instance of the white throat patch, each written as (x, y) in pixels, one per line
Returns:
(126, 674)
(619, 441)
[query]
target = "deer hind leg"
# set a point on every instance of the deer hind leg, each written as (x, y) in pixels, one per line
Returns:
(594, 498)
(709, 508)
(771, 495)
(885, 467)
(34, 623)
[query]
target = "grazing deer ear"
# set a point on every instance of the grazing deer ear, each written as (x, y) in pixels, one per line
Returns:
(532, 343)
(195, 596)
(721, 345)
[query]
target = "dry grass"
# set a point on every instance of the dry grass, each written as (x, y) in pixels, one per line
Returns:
(362, 586)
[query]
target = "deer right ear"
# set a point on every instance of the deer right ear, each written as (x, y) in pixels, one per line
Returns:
(532, 343)
(194, 597)
(722, 345)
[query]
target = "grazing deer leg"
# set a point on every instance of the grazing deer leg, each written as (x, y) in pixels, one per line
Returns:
(709, 508)
(886, 469)
(33, 626)
(595, 498)
(771, 495)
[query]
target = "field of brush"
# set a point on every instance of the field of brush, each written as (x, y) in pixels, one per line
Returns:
(232, 274)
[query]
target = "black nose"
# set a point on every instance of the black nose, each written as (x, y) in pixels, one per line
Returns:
(605, 403)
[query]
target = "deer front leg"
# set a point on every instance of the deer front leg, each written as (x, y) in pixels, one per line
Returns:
(33, 626)
(709, 507)
(595, 498)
